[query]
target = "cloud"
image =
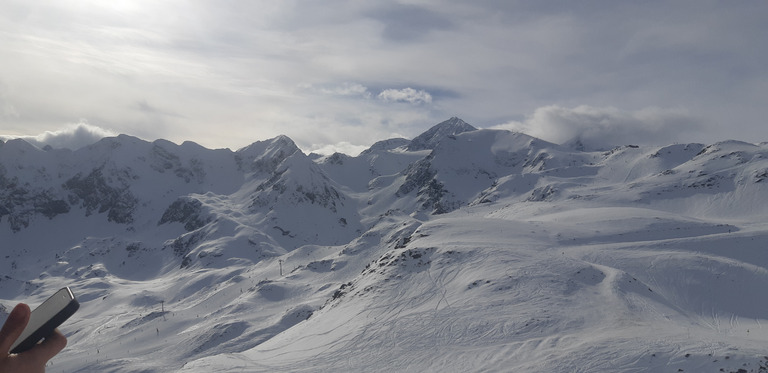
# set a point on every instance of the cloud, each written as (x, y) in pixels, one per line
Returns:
(7, 111)
(604, 127)
(342, 147)
(74, 136)
(357, 90)
(352, 89)
(344, 89)
(409, 95)
(409, 22)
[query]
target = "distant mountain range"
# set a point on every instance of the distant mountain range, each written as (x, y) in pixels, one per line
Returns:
(267, 258)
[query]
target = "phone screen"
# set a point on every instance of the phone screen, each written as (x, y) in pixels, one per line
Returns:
(45, 318)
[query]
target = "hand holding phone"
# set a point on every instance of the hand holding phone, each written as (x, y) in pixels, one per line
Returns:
(45, 319)
(34, 360)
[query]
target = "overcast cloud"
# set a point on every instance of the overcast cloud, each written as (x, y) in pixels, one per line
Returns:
(342, 74)
(602, 128)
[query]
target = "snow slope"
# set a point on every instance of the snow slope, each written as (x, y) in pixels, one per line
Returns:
(466, 250)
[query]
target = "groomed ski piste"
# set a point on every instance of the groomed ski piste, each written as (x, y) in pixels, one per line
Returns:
(460, 250)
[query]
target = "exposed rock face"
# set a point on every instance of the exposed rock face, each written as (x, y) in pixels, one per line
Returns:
(21, 202)
(187, 211)
(94, 193)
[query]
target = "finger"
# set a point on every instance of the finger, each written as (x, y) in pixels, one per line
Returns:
(14, 325)
(51, 346)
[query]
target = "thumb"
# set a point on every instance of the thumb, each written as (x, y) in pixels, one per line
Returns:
(14, 325)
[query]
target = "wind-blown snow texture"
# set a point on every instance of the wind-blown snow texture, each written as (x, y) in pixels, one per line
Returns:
(461, 250)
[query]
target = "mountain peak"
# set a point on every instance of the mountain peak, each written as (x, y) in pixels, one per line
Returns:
(433, 136)
(265, 156)
(279, 144)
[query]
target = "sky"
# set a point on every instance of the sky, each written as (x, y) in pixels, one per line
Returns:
(339, 75)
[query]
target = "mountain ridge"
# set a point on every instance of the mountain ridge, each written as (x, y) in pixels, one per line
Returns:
(269, 259)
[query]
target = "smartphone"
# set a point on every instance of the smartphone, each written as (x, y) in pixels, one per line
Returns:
(46, 318)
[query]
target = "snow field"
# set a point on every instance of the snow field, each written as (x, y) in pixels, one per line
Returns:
(612, 306)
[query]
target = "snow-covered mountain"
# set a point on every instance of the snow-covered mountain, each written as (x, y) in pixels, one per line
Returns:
(459, 250)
